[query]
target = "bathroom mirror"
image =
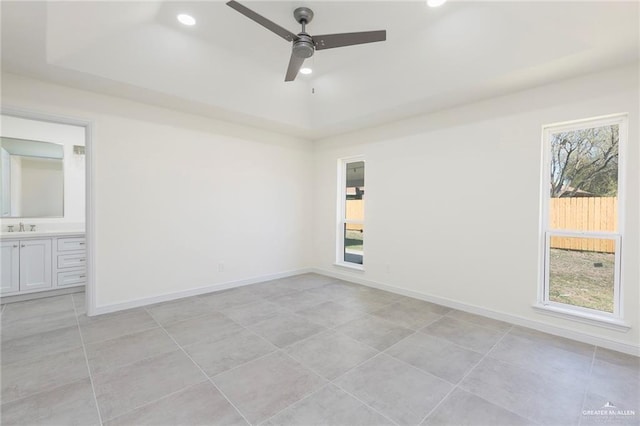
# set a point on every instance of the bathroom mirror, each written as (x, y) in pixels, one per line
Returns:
(31, 178)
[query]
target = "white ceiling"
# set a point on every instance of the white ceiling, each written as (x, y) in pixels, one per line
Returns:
(229, 67)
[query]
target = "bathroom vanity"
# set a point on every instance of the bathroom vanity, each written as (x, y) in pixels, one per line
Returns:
(42, 261)
(42, 209)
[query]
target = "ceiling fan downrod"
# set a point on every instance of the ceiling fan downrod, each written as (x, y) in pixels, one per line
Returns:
(304, 45)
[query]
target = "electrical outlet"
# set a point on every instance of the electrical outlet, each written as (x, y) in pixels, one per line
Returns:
(221, 267)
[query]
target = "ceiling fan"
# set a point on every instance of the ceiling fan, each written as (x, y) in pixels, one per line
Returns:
(304, 45)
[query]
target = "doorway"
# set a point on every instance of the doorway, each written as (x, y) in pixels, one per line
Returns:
(72, 255)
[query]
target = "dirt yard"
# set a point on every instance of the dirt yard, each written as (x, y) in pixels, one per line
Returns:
(582, 278)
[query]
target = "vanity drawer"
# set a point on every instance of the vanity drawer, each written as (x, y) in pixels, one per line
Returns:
(72, 278)
(74, 260)
(67, 244)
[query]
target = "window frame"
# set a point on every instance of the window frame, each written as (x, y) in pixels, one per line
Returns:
(341, 212)
(591, 316)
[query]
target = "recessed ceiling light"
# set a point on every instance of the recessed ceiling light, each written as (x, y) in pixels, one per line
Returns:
(306, 70)
(436, 3)
(186, 19)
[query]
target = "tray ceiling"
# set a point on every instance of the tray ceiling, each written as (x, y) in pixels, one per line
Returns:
(228, 67)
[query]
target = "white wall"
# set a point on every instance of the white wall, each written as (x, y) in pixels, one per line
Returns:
(74, 166)
(177, 194)
(453, 199)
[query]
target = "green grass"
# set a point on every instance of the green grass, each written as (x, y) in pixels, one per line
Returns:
(353, 240)
(574, 280)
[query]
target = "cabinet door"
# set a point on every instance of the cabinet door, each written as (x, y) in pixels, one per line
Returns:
(35, 264)
(10, 254)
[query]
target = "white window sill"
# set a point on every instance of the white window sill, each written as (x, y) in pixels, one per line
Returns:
(583, 317)
(347, 265)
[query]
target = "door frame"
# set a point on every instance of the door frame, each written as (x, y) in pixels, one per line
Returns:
(88, 126)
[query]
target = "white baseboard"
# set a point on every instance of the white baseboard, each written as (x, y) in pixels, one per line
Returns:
(166, 297)
(501, 316)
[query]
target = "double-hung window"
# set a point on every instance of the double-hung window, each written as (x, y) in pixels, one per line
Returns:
(582, 239)
(351, 212)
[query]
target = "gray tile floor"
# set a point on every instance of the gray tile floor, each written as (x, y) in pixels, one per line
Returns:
(306, 350)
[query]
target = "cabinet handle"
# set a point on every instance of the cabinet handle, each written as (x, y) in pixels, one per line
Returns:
(81, 260)
(15, 246)
(82, 276)
(81, 244)
(22, 245)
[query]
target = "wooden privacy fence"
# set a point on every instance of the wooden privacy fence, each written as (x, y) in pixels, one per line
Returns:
(572, 214)
(584, 214)
(355, 209)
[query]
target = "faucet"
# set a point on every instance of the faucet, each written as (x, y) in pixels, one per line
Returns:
(21, 228)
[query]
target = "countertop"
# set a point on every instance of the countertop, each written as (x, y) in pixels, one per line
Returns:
(41, 234)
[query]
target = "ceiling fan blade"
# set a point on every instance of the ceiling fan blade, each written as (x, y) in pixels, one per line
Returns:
(295, 63)
(270, 25)
(329, 41)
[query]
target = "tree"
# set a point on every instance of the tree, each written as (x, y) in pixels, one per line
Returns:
(585, 160)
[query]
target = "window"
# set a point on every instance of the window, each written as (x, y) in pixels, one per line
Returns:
(581, 221)
(351, 213)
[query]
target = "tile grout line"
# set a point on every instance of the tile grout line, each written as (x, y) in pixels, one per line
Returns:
(361, 401)
(331, 382)
(295, 403)
(127, 334)
(276, 348)
(201, 370)
(357, 366)
(510, 326)
(137, 407)
(155, 327)
(129, 363)
(365, 314)
(458, 345)
(40, 392)
(303, 397)
(86, 360)
(334, 329)
(154, 400)
(364, 362)
(245, 363)
(588, 385)
(507, 332)
(282, 350)
(451, 343)
(511, 363)
(365, 404)
(457, 385)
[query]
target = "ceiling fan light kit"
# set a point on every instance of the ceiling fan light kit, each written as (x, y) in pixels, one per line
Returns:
(435, 3)
(305, 45)
(187, 20)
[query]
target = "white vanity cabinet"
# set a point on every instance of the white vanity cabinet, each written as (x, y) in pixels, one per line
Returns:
(10, 273)
(70, 261)
(32, 264)
(26, 265)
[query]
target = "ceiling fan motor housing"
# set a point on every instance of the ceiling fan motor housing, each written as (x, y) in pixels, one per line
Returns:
(303, 47)
(303, 14)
